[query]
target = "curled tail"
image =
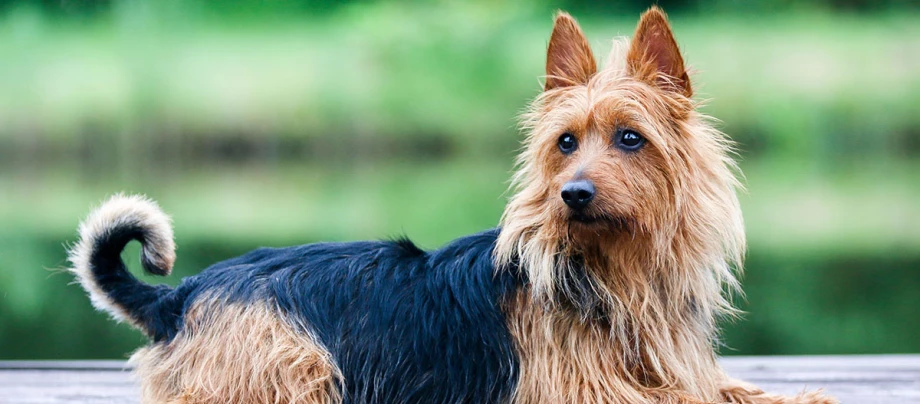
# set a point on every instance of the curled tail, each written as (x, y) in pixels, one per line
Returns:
(96, 261)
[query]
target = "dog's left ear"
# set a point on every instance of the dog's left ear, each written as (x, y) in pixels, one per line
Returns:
(654, 56)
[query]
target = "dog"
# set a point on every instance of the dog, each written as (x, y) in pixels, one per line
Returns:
(604, 282)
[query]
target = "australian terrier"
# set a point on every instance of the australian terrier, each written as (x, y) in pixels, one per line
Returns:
(603, 284)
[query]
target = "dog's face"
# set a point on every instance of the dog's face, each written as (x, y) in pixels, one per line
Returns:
(602, 157)
(618, 163)
(601, 142)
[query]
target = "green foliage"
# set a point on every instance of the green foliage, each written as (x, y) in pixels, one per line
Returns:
(277, 123)
(828, 304)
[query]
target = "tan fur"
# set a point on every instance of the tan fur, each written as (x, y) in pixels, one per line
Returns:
(736, 391)
(230, 353)
(122, 211)
(661, 255)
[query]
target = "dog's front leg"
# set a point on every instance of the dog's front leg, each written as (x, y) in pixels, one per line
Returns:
(739, 392)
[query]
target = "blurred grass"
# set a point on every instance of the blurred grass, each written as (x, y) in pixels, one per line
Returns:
(376, 119)
(806, 85)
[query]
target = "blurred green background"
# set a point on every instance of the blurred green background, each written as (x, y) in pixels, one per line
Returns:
(271, 123)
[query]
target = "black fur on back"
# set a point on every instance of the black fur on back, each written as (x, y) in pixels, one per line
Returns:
(402, 324)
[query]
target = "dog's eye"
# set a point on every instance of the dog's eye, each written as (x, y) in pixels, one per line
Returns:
(630, 140)
(567, 143)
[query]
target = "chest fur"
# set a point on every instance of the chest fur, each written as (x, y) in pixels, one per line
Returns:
(564, 358)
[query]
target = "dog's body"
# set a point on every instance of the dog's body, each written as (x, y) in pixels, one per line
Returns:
(376, 322)
(609, 293)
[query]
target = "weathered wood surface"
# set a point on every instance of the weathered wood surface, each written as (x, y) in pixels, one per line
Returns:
(870, 379)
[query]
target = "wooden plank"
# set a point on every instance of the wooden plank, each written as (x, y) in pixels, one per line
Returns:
(64, 365)
(43, 383)
(869, 379)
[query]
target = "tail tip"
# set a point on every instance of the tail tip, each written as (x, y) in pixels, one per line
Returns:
(123, 212)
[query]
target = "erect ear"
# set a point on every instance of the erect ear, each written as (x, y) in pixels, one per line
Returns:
(569, 60)
(654, 56)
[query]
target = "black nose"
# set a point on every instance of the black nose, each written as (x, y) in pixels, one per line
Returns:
(578, 193)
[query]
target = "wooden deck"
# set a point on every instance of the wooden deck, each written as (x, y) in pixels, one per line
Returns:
(871, 379)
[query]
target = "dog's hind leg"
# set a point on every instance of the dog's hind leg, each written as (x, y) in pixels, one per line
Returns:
(236, 353)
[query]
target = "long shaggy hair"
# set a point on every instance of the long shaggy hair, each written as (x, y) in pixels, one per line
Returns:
(637, 290)
(614, 262)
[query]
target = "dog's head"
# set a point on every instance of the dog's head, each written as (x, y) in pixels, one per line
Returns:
(619, 171)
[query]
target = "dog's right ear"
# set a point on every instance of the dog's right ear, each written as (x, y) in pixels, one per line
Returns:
(569, 60)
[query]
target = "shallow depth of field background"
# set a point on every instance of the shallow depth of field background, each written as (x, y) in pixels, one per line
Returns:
(271, 123)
